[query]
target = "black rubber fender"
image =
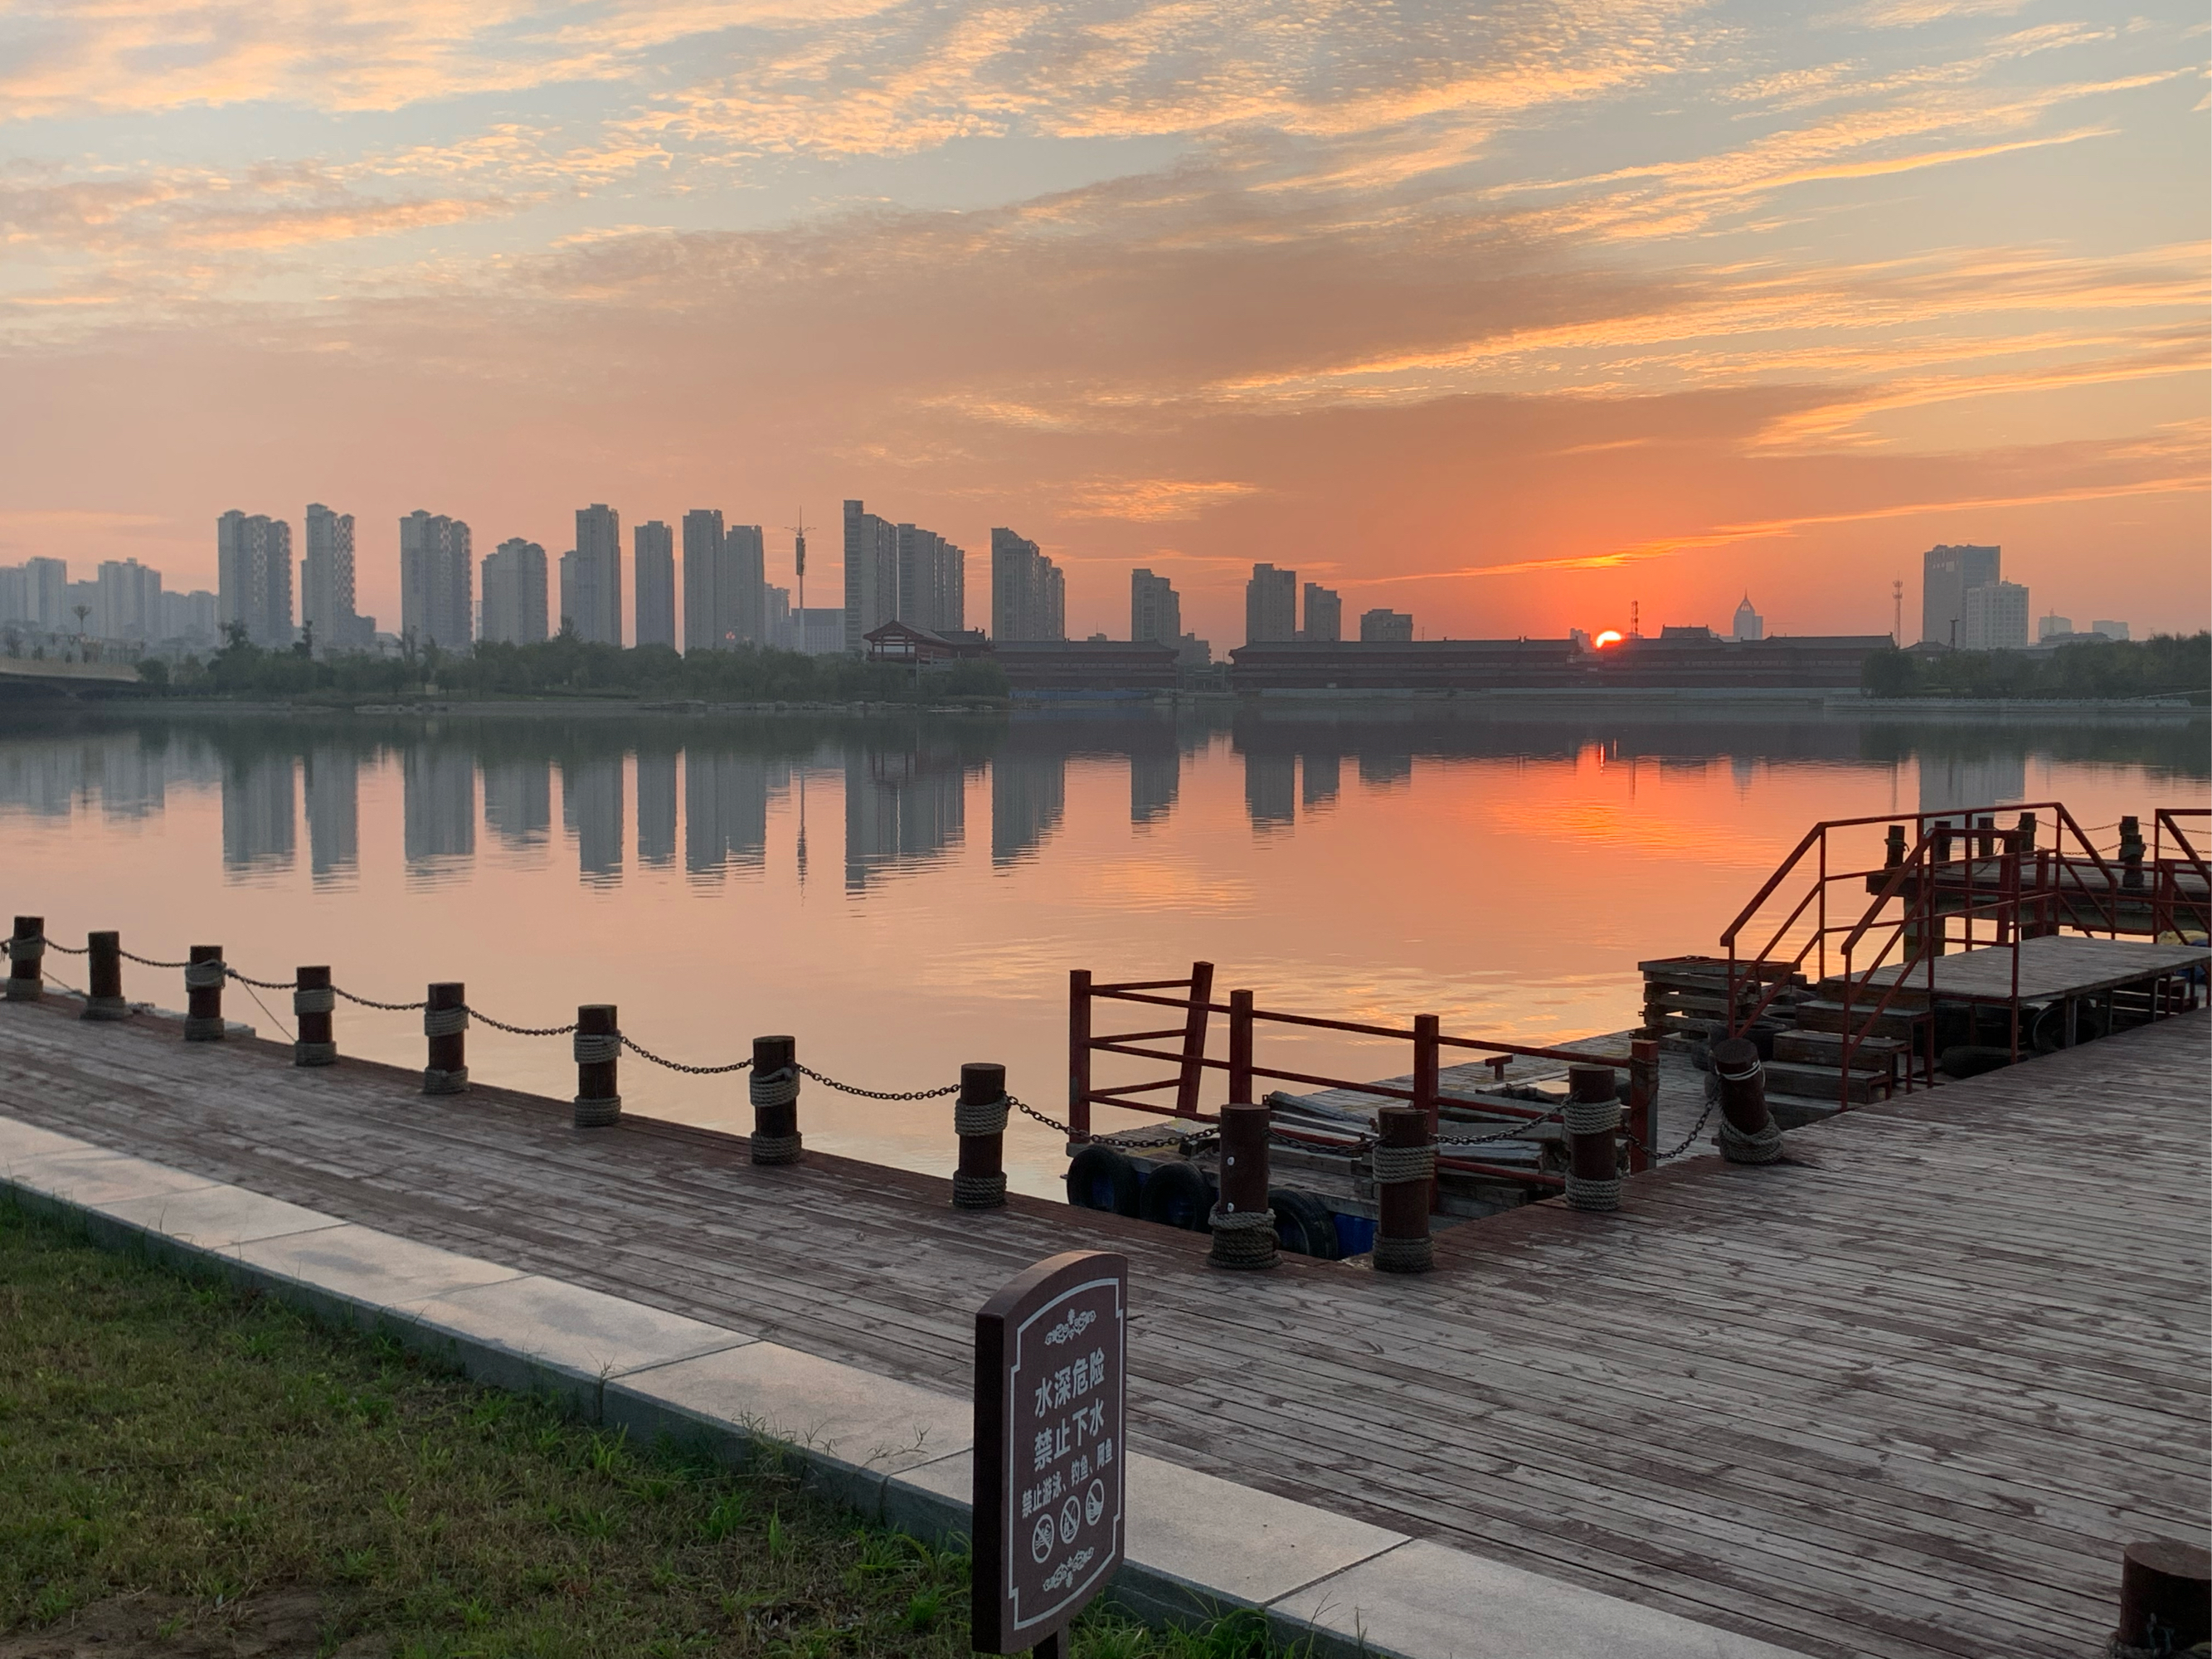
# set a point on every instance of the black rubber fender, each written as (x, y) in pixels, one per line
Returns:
(1176, 1194)
(1314, 1219)
(1100, 1178)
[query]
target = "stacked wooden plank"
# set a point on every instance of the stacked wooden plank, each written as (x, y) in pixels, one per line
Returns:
(1685, 995)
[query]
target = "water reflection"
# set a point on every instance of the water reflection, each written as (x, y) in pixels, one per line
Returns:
(713, 789)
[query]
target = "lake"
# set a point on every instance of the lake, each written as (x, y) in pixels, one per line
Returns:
(907, 893)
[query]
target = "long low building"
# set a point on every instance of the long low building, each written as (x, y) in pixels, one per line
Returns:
(1075, 666)
(1811, 662)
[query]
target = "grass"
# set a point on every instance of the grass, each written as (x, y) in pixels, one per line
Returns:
(189, 1469)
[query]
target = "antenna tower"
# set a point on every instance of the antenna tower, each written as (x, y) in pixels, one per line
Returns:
(1635, 621)
(798, 559)
(1897, 622)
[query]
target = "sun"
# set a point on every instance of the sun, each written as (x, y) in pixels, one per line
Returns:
(1609, 637)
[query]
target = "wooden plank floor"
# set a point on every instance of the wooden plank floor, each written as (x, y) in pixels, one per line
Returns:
(2058, 964)
(1906, 1394)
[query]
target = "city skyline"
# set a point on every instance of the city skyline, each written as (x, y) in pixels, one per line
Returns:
(1588, 305)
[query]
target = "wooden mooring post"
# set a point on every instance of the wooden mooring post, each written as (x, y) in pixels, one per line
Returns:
(598, 1047)
(979, 1118)
(1591, 1116)
(1405, 1159)
(313, 1002)
(27, 952)
(1079, 1058)
(1643, 1103)
(773, 1086)
(203, 977)
(2166, 1599)
(1242, 1225)
(445, 1025)
(1747, 1133)
(103, 986)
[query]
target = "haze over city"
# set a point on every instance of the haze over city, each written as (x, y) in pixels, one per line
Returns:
(1504, 324)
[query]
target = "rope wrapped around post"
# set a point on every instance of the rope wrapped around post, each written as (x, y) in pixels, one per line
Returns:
(103, 987)
(1591, 1117)
(1243, 1223)
(979, 1118)
(204, 973)
(313, 1002)
(1748, 1133)
(26, 952)
(444, 1024)
(597, 1045)
(1404, 1160)
(774, 1088)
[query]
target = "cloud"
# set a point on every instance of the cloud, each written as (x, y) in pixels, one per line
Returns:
(1151, 501)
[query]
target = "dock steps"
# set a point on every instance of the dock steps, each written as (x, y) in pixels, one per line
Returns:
(1825, 1049)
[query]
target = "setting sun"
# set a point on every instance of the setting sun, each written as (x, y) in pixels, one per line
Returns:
(1611, 636)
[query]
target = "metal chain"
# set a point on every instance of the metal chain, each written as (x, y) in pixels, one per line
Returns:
(148, 962)
(644, 1053)
(1687, 1140)
(264, 984)
(874, 1094)
(387, 1007)
(518, 1031)
(1507, 1133)
(66, 949)
(1028, 1110)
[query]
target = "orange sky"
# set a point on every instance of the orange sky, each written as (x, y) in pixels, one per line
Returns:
(1506, 322)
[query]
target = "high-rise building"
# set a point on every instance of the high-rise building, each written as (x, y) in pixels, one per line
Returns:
(932, 581)
(1382, 626)
(326, 583)
(44, 603)
(437, 582)
(1324, 614)
(702, 550)
(872, 573)
(653, 567)
(1994, 618)
(1749, 624)
(741, 586)
(254, 576)
(2111, 631)
(1946, 573)
(591, 581)
(127, 603)
(1028, 595)
(1155, 610)
(1271, 606)
(725, 583)
(2052, 626)
(14, 595)
(190, 617)
(514, 593)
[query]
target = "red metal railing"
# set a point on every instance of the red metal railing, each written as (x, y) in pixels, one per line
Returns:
(2173, 909)
(1242, 1069)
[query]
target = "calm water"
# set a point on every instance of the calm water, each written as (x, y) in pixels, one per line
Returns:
(905, 895)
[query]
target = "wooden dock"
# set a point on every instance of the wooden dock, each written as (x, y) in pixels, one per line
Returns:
(2056, 965)
(1906, 1394)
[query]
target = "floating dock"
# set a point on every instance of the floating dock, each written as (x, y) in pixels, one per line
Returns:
(1907, 1393)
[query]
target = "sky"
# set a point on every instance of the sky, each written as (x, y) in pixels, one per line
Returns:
(1511, 316)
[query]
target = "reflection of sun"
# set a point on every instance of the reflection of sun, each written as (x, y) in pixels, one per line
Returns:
(1609, 637)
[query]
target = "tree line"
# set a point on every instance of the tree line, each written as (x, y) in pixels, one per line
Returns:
(565, 666)
(2166, 665)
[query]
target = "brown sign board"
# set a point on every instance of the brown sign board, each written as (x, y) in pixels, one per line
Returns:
(1051, 1383)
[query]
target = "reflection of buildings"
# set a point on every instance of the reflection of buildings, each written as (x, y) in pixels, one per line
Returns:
(518, 801)
(333, 813)
(1271, 786)
(902, 806)
(1385, 769)
(439, 803)
(257, 813)
(1949, 781)
(591, 811)
(726, 796)
(656, 808)
(1028, 795)
(1322, 770)
(1155, 779)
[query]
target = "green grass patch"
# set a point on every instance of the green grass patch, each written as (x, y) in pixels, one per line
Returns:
(189, 1469)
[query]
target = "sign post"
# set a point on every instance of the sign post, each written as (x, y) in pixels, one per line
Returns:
(1051, 1383)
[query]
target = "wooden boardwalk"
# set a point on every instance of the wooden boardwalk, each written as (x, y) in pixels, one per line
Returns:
(1906, 1394)
(2057, 965)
